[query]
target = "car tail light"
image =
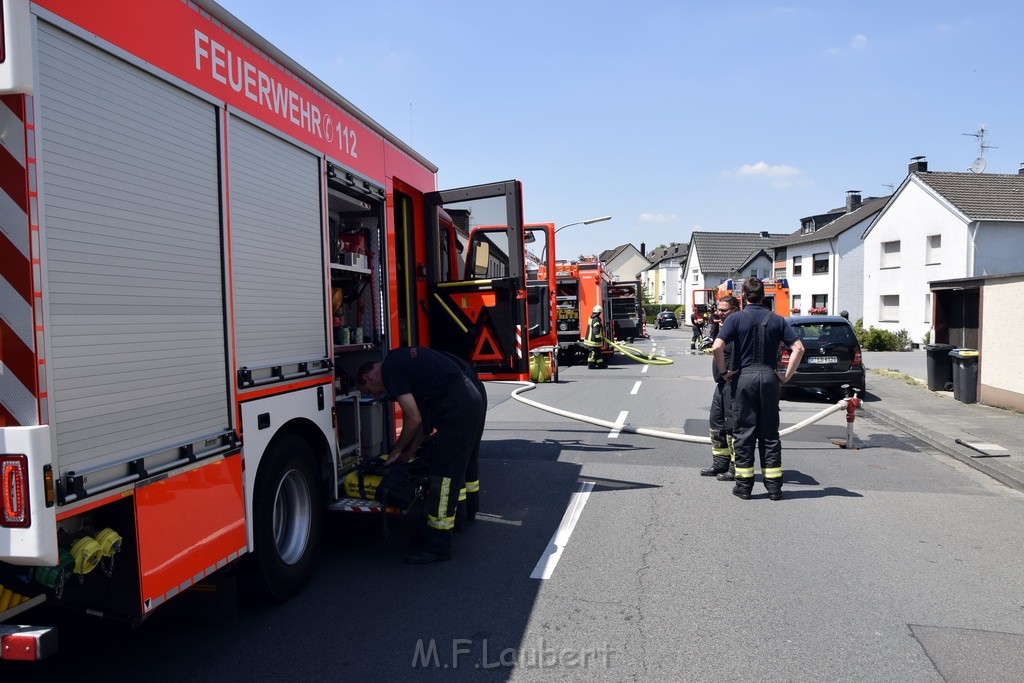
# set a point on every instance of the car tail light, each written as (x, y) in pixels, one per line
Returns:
(856, 357)
(784, 359)
(14, 511)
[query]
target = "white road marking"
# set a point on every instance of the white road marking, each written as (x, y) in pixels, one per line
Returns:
(636, 388)
(547, 562)
(644, 368)
(614, 434)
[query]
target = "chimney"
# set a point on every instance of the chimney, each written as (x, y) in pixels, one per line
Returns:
(852, 200)
(643, 249)
(918, 165)
(764, 233)
(1020, 171)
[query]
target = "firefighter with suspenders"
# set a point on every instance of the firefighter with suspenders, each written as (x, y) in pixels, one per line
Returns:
(757, 333)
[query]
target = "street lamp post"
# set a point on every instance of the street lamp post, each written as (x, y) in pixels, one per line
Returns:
(586, 222)
(569, 225)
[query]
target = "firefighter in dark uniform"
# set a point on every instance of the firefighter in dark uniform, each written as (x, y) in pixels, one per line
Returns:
(469, 496)
(595, 340)
(757, 333)
(697, 326)
(723, 457)
(432, 389)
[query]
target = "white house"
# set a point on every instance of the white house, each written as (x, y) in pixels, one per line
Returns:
(663, 278)
(938, 226)
(717, 256)
(625, 261)
(824, 264)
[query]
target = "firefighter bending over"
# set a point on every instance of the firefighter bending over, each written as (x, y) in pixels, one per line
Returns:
(433, 390)
(595, 340)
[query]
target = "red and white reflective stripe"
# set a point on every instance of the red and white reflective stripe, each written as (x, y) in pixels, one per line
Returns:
(519, 341)
(20, 370)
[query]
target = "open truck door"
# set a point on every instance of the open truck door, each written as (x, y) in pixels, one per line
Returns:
(481, 317)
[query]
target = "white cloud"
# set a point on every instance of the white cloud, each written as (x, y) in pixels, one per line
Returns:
(659, 217)
(763, 169)
(858, 42)
(778, 176)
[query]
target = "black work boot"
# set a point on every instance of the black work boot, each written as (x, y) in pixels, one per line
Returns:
(741, 492)
(719, 464)
(436, 547)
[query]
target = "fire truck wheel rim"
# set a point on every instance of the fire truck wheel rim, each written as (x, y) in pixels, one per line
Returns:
(292, 517)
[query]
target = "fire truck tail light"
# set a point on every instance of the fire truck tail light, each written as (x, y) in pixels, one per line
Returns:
(14, 510)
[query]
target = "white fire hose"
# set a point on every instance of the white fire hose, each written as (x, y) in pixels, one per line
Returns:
(643, 431)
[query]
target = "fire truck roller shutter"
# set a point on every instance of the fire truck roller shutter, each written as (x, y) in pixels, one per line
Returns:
(134, 285)
(276, 247)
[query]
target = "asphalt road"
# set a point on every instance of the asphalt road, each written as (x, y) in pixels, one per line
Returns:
(892, 562)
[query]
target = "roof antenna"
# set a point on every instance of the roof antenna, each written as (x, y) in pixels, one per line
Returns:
(978, 165)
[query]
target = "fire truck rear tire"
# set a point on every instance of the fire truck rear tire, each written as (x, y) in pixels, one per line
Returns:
(288, 514)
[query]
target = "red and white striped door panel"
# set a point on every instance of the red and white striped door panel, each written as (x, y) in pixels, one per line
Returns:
(19, 381)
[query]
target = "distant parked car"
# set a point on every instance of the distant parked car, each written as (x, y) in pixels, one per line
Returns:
(666, 319)
(832, 355)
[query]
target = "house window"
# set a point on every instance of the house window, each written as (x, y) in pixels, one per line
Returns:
(890, 254)
(933, 250)
(819, 301)
(780, 273)
(928, 307)
(889, 308)
(797, 307)
(754, 272)
(798, 265)
(820, 263)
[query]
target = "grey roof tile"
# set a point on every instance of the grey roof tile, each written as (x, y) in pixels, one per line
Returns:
(980, 196)
(725, 252)
(839, 225)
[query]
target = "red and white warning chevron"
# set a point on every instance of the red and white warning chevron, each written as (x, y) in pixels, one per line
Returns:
(20, 369)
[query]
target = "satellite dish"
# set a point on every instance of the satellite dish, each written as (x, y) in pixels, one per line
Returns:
(978, 166)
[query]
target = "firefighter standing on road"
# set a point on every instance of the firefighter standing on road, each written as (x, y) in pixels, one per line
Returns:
(419, 378)
(757, 333)
(697, 325)
(723, 457)
(595, 340)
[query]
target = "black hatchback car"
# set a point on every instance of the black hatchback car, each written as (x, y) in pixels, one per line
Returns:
(666, 319)
(832, 355)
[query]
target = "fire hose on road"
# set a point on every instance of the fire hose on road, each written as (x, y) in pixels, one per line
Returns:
(849, 405)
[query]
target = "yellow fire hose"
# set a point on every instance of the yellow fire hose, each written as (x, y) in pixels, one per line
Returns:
(638, 355)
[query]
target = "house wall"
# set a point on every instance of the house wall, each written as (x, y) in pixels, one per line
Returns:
(808, 283)
(663, 283)
(998, 246)
(913, 215)
(692, 263)
(1001, 381)
(849, 294)
(626, 266)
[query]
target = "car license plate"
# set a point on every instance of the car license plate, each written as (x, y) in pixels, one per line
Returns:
(822, 360)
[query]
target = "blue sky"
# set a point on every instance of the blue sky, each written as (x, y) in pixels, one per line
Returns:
(672, 116)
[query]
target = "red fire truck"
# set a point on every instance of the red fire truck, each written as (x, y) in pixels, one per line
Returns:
(579, 287)
(201, 244)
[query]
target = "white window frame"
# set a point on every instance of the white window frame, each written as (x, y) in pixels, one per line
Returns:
(933, 250)
(815, 260)
(889, 308)
(889, 254)
(798, 265)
